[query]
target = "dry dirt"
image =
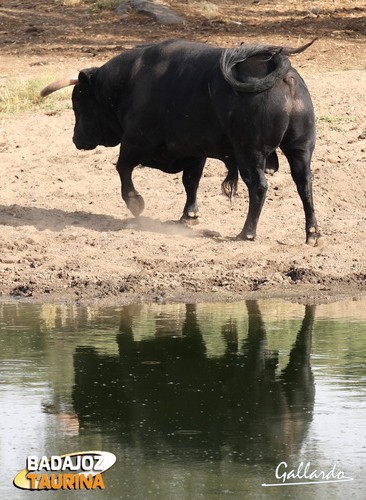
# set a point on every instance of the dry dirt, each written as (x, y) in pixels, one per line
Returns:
(65, 233)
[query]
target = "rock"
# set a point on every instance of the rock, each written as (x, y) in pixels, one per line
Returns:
(314, 10)
(160, 13)
(332, 159)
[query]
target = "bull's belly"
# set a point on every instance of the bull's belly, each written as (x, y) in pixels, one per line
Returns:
(169, 165)
(173, 157)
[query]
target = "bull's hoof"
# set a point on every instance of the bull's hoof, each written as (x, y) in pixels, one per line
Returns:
(315, 240)
(190, 219)
(135, 204)
(246, 236)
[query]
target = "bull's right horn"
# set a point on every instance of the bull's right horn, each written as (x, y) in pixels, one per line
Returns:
(60, 84)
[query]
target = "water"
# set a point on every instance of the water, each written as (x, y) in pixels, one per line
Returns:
(201, 401)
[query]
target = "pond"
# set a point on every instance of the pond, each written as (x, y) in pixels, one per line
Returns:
(211, 401)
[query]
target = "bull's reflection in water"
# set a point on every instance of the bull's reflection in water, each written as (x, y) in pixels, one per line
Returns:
(165, 391)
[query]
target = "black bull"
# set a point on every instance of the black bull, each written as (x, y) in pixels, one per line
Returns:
(171, 105)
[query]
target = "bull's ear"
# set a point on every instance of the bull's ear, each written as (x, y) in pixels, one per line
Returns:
(83, 78)
(86, 76)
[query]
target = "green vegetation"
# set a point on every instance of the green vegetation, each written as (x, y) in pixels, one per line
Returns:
(22, 94)
(103, 4)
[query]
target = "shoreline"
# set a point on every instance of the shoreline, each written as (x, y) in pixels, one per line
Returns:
(301, 294)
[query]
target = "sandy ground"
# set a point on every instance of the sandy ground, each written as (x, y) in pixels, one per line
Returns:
(67, 235)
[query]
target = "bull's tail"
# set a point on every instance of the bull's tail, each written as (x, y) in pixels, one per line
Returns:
(229, 185)
(256, 68)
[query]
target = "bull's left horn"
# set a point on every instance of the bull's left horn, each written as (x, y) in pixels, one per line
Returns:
(60, 84)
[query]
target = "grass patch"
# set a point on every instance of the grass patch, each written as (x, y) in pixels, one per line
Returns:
(94, 4)
(104, 4)
(338, 123)
(21, 95)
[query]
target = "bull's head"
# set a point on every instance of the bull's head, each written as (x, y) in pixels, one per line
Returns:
(93, 121)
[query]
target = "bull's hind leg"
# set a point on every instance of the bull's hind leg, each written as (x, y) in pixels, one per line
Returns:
(134, 201)
(251, 169)
(299, 161)
(272, 164)
(191, 177)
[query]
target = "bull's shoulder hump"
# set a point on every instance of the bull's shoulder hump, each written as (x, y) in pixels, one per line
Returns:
(187, 55)
(168, 49)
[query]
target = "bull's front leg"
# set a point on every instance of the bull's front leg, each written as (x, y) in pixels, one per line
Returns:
(134, 201)
(252, 173)
(191, 177)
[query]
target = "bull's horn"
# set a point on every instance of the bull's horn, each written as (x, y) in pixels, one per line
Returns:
(60, 84)
(288, 51)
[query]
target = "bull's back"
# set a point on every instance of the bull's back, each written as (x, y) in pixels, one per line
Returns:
(169, 96)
